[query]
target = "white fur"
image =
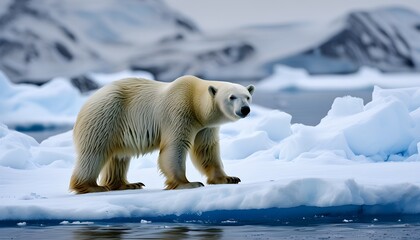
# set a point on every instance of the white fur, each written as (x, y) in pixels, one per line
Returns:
(136, 116)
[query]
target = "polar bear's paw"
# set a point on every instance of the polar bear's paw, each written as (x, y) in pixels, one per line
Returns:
(184, 185)
(224, 180)
(190, 185)
(85, 188)
(137, 185)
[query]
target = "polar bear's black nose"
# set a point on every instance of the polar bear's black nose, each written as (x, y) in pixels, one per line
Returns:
(245, 110)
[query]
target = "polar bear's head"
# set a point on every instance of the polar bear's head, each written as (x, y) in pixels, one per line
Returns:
(233, 100)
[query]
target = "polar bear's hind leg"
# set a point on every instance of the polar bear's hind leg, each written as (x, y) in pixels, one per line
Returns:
(114, 175)
(86, 174)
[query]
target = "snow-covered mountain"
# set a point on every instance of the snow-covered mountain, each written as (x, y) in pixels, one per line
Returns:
(387, 39)
(42, 39)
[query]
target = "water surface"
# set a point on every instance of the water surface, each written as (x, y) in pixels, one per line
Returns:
(347, 230)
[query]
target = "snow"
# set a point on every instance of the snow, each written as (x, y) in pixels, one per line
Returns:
(360, 159)
(106, 78)
(55, 103)
(292, 78)
(74, 37)
(274, 11)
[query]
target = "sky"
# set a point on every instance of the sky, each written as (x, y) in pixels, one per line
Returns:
(213, 15)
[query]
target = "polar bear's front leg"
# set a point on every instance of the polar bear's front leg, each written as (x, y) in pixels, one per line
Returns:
(205, 155)
(172, 165)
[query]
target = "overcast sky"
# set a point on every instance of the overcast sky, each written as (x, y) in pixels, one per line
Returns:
(228, 14)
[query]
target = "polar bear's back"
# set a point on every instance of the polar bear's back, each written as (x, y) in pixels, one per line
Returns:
(117, 119)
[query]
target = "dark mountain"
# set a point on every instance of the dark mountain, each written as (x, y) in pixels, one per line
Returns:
(42, 39)
(386, 39)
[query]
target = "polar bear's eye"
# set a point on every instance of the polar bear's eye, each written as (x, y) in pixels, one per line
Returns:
(247, 98)
(232, 97)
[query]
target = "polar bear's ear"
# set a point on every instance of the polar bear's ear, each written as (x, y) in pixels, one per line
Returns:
(251, 89)
(212, 91)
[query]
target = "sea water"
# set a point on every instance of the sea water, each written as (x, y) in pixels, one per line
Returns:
(143, 229)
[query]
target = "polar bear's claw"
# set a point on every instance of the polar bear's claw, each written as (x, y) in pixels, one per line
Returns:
(137, 185)
(185, 185)
(224, 180)
(233, 180)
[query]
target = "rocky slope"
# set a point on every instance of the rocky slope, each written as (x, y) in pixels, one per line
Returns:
(42, 39)
(386, 39)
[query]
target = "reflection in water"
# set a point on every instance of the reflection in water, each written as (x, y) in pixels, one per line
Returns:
(196, 233)
(173, 231)
(100, 232)
(148, 231)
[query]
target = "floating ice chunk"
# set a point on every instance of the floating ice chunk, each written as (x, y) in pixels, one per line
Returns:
(345, 106)
(276, 124)
(76, 223)
(378, 130)
(106, 78)
(15, 149)
(410, 97)
(384, 129)
(242, 146)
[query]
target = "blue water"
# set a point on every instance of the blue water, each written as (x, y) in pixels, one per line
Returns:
(344, 222)
(341, 222)
(373, 227)
(306, 107)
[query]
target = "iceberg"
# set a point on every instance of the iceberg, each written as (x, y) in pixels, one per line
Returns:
(361, 159)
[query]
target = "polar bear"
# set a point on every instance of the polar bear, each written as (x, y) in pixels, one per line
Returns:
(136, 116)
